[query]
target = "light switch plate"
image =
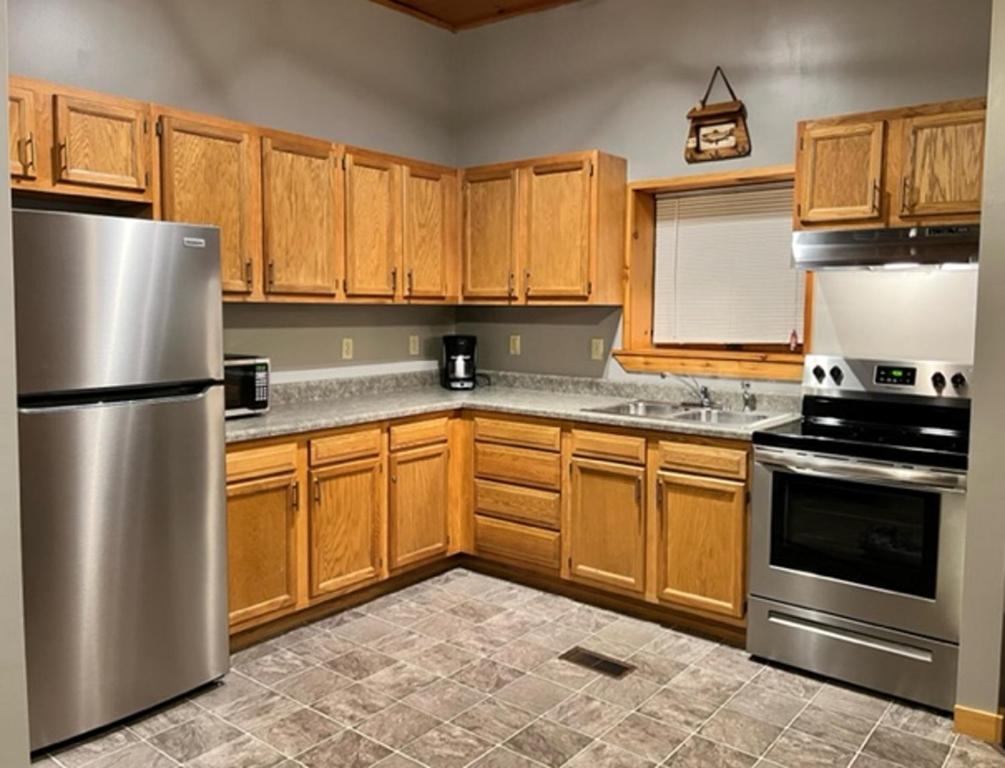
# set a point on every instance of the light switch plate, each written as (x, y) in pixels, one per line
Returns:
(596, 349)
(514, 344)
(347, 348)
(413, 344)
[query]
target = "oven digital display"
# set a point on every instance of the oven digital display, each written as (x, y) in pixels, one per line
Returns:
(889, 374)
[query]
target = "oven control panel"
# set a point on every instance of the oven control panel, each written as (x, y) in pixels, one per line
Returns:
(823, 374)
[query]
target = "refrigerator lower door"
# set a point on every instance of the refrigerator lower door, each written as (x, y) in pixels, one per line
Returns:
(124, 549)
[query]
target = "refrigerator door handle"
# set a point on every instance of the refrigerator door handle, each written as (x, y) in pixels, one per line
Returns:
(106, 400)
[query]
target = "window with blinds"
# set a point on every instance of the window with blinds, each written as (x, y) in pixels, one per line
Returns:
(724, 270)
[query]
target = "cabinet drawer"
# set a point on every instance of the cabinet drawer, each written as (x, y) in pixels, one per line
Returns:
(524, 505)
(419, 433)
(502, 540)
(602, 445)
(704, 459)
(518, 433)
(351, 445)
(518, 465)
(261, 462)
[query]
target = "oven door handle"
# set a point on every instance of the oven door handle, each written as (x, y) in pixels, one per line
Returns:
(917, 478)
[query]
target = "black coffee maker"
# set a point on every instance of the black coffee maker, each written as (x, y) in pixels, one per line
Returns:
(457, 365)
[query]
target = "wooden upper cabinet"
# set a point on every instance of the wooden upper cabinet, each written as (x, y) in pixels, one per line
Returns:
(429, 251)
(102, 142)
(301, 215)
(22, 151)
(942, 163)
(839, 172)
(489, 235)
(419, 504)
(702, 543)
(210, 174)
(373, 202)
(346, 528)
(261, 547)
(558, 223)
(605, 530)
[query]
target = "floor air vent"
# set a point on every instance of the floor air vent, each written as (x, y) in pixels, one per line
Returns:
(598, 662)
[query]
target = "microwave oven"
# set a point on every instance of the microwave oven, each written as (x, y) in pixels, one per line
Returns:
(246, 385)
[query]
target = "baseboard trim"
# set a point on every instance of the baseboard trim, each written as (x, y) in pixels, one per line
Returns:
(986, 726)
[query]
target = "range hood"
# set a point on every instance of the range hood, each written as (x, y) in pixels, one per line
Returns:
(890, 248)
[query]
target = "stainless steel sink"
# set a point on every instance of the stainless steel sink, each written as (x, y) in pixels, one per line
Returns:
(723, 418)
(652, 409)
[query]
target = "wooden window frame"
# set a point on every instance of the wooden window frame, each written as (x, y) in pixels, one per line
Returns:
(638, 353)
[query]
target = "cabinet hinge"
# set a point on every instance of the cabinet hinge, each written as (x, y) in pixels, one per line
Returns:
(570, 562)
(159, 127)
(146, 126)
(799, 210)
(802, 143)
(345, 164)
(146, 178)
(589, 288)
(591, 167)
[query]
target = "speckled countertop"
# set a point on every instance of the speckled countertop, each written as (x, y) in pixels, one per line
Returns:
(291, 417)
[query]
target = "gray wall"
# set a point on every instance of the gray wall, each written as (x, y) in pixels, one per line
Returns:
(345, 70)
(981, 668)
(305, 341)
(13, 700)
(622, 75)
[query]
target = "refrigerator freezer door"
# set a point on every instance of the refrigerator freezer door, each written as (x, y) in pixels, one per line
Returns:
(114, 302)
(124, 540)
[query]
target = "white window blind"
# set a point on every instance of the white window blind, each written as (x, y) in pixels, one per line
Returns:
(724, 270)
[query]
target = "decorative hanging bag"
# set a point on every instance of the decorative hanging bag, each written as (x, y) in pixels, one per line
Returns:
(718, 131)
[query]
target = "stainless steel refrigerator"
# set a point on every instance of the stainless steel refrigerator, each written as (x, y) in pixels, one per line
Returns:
(119, 366)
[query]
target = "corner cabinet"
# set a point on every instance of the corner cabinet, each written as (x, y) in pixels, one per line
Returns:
(430, 236)
(900, 167)
(302, 213)
(372, 226)
(545, 231)
(419, 502)
(210, 172)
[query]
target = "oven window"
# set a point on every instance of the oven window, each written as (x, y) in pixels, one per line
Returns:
(865, 534)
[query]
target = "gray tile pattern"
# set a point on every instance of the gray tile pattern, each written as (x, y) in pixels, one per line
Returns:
(406, 682)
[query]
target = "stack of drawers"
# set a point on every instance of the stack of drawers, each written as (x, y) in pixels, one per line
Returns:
(517, 492)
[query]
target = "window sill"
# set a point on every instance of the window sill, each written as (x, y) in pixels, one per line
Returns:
(708, 362)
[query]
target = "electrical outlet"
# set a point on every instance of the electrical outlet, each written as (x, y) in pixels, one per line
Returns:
(514, 344)
(596, 349)
(413, 345)
(347, 348)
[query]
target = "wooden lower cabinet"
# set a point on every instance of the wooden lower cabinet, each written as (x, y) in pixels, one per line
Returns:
(261, 546)
(605, 528)
(702, 543)
(346, 529)
(419, 504)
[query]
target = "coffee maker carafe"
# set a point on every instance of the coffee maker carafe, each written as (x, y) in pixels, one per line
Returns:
(457, 367)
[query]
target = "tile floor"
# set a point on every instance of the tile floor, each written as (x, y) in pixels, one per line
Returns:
(462, 670)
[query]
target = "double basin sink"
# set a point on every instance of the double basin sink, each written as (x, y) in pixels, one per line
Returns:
(652, 409)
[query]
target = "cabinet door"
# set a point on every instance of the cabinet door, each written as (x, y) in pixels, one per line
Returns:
(430, 232)
(208, 177)
(372, 226)
(261, 546)
(942, 164)
(21, 149)
(558, 246)
(419, 502)
(346, 530)
(101, 142)
(300, 216)
(489, 235)
(702, 543)
(839, 172)
(606, 525)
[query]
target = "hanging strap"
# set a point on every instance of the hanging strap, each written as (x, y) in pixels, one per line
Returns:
(718, 72)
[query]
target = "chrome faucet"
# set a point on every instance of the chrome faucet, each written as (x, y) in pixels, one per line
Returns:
(749, 398)
(698, 390)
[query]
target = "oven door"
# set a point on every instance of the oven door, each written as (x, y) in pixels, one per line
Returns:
(876, 542)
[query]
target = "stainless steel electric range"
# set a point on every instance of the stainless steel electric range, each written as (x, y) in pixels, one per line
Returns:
(856, 547)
